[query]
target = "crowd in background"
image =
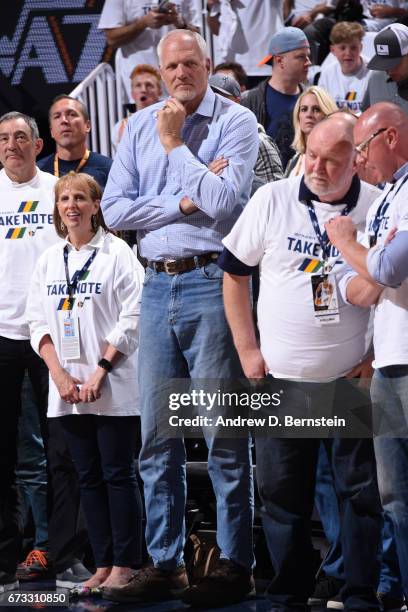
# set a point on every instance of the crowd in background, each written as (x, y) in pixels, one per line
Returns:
(267, 132)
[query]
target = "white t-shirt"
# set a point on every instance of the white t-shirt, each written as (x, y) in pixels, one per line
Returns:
(372, 24)
(107, 303)
(26, 230)
(142, 50)
(346, 90)
(391, 312)
(304, 6)
(245, 37)
(275, 231)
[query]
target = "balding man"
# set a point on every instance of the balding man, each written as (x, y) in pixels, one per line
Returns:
(305, 345)
(161, 186)
(381, 278)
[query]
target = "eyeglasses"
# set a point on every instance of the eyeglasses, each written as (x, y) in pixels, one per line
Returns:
(363, 146)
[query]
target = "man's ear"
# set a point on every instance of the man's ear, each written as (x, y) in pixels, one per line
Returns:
(392, 137)
(39, 144)
(208, 65)
(88, 126)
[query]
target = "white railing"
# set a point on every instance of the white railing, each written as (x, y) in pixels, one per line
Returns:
(103, 100)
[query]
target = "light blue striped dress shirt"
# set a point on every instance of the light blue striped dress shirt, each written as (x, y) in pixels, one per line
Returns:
(145, 184)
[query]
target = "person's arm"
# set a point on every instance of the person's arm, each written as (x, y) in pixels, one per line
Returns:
(214, 195)
(123, 338)
(384, 264)
(123, 206)
(239, 316)
(121, 35)
(342, 234)
(388, 264)
(380, 11)
(66, 384)
(213, 16)
(268, 166)
(362, 292)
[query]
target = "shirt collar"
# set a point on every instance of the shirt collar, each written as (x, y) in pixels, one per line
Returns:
(401, 171)
(350, 198)
(206, 106)
(96, 242)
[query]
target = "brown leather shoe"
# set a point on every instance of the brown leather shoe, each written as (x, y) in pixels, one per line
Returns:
(150, 584)
(228, 583)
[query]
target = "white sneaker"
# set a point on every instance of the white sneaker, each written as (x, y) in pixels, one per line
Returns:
(73, 576)
(10, 584)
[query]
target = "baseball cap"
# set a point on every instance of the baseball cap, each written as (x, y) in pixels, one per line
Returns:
(391, 44)
(287, 39)
(225, 85)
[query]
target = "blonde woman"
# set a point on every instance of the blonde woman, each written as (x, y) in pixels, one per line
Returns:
(313, 105)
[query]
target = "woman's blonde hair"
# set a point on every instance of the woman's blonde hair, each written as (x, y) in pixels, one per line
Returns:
(327, 106)
(83, 181)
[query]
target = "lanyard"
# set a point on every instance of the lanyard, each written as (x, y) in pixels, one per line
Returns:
(381, 210)
(323, 238)
(79, 166)
(72, 285)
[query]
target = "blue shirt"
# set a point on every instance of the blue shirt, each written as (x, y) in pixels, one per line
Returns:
(97, 166)
(279, 125)
(146, 185)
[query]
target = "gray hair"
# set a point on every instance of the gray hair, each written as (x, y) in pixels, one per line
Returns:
(193, 35)
(32, 124)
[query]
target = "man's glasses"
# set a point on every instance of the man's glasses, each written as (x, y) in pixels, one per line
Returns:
(363, 146)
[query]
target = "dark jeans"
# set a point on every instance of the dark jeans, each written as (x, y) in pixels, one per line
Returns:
(68, 536)
(286, 473)
(16, 357)
(32, 467)
(103, 451)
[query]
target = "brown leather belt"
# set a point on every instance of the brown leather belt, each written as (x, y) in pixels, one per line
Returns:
(178, 266)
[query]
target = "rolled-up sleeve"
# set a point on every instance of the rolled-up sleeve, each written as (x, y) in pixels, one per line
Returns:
(35, 313)
(127, 287)
(217, 196)
(388, 264)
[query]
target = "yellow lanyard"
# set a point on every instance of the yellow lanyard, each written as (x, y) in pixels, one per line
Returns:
(77, 169)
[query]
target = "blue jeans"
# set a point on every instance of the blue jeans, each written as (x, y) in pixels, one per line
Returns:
(389, 392)
(286, 470)
(184, 334)
(31, 469)
(328, 507)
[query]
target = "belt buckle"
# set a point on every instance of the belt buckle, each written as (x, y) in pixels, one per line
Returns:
(171, 266)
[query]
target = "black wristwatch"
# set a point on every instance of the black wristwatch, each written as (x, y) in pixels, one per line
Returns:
(105, 364)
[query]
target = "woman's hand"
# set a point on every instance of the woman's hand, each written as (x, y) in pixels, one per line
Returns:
(91, 389)
(67, 386)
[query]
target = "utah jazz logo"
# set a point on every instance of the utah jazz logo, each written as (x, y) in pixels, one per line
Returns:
(40, 41)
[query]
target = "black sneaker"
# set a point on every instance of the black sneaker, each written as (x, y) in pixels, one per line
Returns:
(391, 604)
(335, 603)
(36, 566)
(150, 584)
(326, 588)
(228, 583)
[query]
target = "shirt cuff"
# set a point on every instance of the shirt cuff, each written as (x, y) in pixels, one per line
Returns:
(124, 343)
(342, 284)
(37, 336)
(178, 156)
(172, 207)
